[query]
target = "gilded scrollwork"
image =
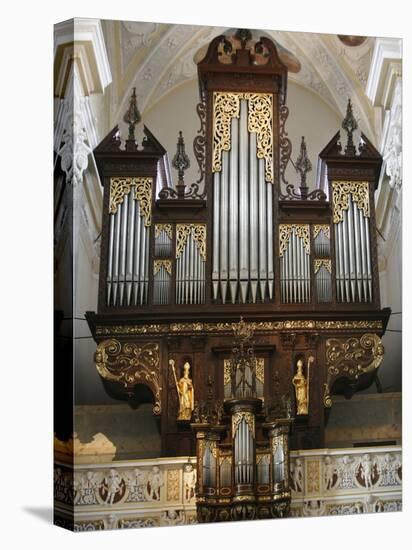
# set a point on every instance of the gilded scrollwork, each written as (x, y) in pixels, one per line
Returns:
(359, 190)
(327, 264)
(260, 111)
(260, 369)
(130, 364)
(237, 419)
(166, 264)
(324, 228)
(119, 187)
(198, 232)
(300, 230)
(163, 227)
(226, 105)
(351, 358)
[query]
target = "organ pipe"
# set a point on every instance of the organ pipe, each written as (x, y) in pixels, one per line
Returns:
(352, 255)
(242, 260)
(129, 232)
(190, 260)
(294, 263)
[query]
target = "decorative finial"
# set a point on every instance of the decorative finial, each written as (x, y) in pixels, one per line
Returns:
(244, 35)
(132, 116)
(303, 166)
(349, 124)
(181, 163)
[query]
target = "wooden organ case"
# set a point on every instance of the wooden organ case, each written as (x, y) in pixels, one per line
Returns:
(186, 269)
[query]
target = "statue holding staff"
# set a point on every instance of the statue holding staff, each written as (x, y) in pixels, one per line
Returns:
(301, 384)
(185, 392)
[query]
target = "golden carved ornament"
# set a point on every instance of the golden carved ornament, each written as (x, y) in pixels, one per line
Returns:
(119, 187)
(238, 417)
(173, 483)
(260, 369)
(166, 264)
(313, 476)
(226, 105)
(351, 358)
(163, 227)
(324, 228)
(226, 371)
(261, 326)
(130, 364)
(198, 232)
(260, 111)
(300, 230)
(327, 264)
(359, 190)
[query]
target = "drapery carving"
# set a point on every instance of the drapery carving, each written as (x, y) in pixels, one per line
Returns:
(130, 364)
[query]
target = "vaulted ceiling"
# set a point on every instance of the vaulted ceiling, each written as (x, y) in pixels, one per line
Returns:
(156, 58)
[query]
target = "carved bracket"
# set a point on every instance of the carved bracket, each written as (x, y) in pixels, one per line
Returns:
(350, 359)
(130, 364)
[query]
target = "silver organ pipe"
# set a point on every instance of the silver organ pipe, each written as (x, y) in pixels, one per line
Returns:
(242, 263)
(352, 254)
(243, 452)
(225, 473)
(295, 264)
(323, 280)
(129, 232)
(161, 281)
(190, 269)
(163, 241)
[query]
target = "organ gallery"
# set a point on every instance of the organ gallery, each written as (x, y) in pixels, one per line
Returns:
(244, 302)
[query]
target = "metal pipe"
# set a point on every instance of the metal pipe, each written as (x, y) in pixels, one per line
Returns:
(346, 255)
(224, 188)
(269, 191)
(137, 254)
(352, 266)
(363, 255)
(234, 202)
(130, 251)
(244, 243)
(116, 253)
(216, 234)
(110, 259)
(263, 227)
(253, 219)
(368, 257)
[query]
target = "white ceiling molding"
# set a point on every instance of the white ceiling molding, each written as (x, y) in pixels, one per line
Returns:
(386, 66)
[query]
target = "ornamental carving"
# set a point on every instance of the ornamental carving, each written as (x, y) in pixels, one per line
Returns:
(119, 187)
(359, 191)
(300, 230)
(261, 326)
(350, 359)
(238, 417)
(260, 112)
(163, 227)
(325, 229)
(327, 264)
(130, 364)
(198, 232)
(165, 264)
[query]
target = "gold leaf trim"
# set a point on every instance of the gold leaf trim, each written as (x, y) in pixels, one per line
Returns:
(262, 326)
(325, 263)
(119, 187)
(163, 227)
(198, 232)
(300, 230)
(260, 370)
(130, 364)
(166, 264)
(324, 228)
(359, 190)
(226, 105)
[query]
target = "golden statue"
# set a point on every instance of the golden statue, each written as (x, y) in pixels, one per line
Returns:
(302, 387)
(185, 391)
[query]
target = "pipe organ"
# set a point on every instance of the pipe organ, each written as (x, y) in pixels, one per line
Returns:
(184, 265)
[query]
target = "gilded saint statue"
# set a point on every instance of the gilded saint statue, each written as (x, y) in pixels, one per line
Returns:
(301, 384)
(185, 392)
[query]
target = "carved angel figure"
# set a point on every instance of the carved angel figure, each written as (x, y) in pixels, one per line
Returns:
(329, 471)
(154, 481)
(112, 485)
(297, 475)
(189, 482)
(366, 470)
